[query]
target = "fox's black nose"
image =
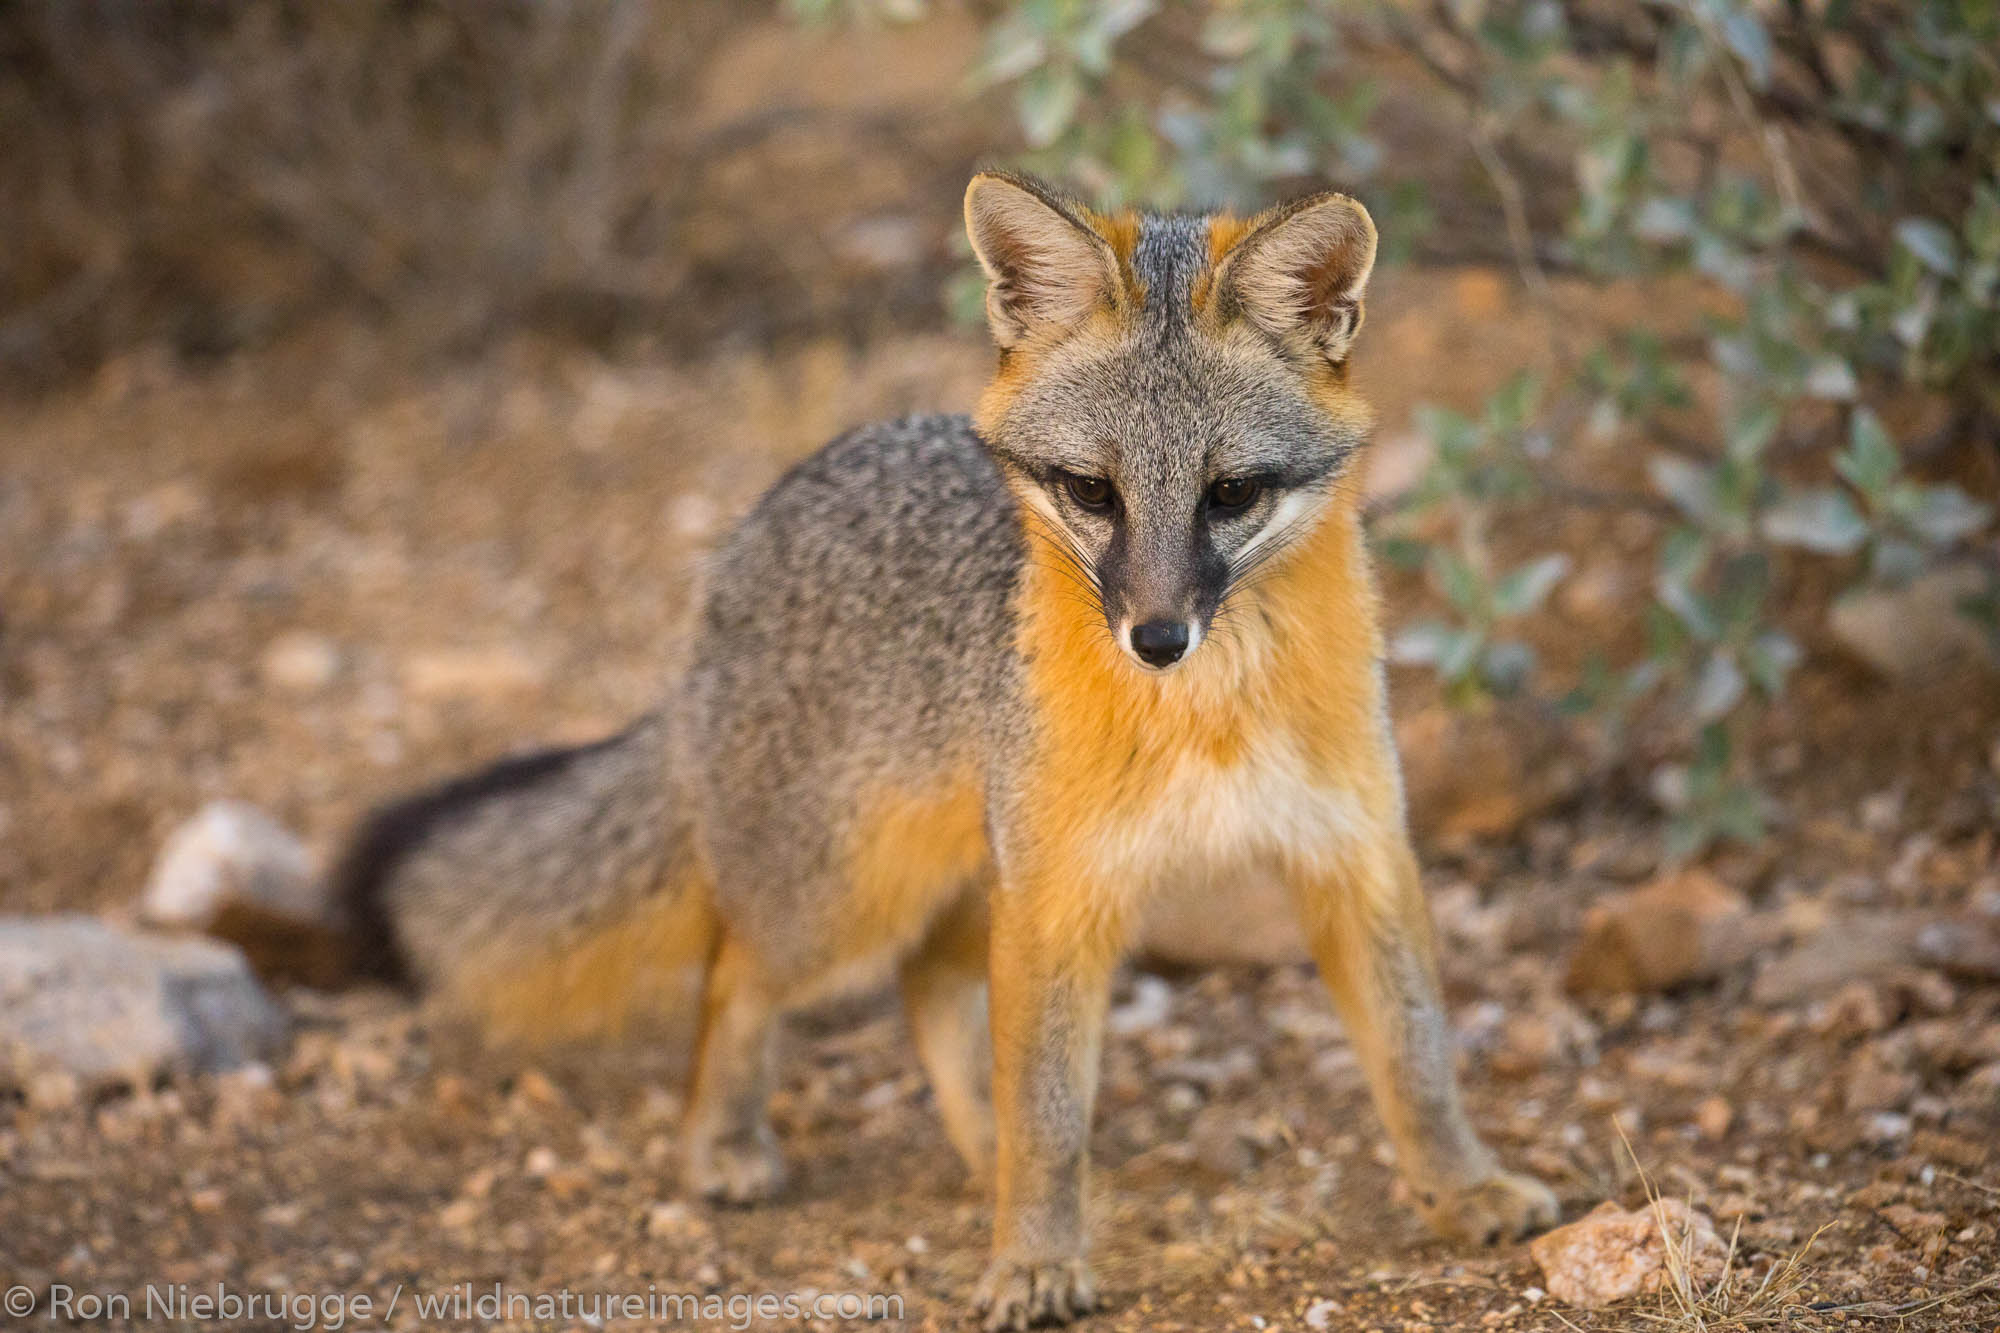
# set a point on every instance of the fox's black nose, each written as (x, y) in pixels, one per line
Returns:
(1160, 643)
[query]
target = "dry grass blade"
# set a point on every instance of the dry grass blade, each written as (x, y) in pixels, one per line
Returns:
(1691, 1304)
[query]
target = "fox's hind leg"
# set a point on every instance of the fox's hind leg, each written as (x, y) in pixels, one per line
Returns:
(944, 995)
(731, 1152)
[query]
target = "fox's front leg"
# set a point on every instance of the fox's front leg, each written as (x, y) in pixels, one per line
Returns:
(1369, 929)
(1049, 977)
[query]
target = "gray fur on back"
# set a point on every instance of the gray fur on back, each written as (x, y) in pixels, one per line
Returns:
(855, 634)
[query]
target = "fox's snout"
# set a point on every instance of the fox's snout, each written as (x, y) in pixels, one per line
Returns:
(1161, 578)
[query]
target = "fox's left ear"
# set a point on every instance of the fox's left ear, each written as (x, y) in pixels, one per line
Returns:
(1046, 266)
(1300, 270)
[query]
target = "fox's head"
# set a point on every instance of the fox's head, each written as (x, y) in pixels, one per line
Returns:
(1171, 404)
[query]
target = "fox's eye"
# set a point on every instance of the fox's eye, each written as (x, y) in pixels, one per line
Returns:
(1232, 493)
(1090, 492)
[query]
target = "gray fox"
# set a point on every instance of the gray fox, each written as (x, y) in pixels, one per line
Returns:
(960, 694)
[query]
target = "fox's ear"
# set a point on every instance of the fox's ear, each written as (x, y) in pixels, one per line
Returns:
(1046, 266)
(1300, 270)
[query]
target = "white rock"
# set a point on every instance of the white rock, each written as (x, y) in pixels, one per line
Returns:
(1152, 1003)
(233, 855)
(108, 1005)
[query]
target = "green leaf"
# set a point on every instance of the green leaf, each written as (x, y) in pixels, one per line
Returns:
(1711, 757)
(1696, 612)
(1912, 322)
(1942, 515)
(1458, 581)
(1507, 666)
(1894, 561)
(1457, 436)
(1522, 590)
(1752, 428)
(1690, 485)
(1822, 519)
(1012, 49)
(1425, 643)
(1770, 659)
(1718, 688)
(1513, 403)
(1683, 557)
(1460, 656)
(1109, 20)
(1744, 582)
(1047, 104)
(1931, 242)
(1402, 552)
(1595, 684)
(1739, 813)
(1664, 220)
(1666, 636)
(1688, 836)
(1870, 460)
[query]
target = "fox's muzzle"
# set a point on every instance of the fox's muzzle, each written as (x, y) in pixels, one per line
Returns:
(1161, 585)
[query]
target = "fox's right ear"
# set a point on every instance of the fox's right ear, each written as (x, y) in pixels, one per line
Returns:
(1046, 266)
(1301, 270)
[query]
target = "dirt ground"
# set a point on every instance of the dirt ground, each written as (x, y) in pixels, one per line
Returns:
(313, 576)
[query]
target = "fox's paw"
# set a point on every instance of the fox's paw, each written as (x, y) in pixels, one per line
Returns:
(1504, 1206)
(1018, 1294)
(735, 1173)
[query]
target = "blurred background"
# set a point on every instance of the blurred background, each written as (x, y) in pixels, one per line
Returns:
(374, 375)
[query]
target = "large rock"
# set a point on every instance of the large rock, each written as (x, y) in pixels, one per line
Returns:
(1470, 776)
(1869, 946)
(234, 872)
(1887, 947)
(107, 1006)
(1916, 631)
(1677, 929)
(1609, 1254)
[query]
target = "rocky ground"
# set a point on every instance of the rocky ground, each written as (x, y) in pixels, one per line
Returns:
(309, 577)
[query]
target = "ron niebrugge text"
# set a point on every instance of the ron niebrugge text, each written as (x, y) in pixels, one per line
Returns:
(332, 1311)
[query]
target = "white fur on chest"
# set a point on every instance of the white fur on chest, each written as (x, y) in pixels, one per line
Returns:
(1205, 820)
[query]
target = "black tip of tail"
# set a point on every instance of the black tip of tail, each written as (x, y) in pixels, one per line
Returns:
(388, 836)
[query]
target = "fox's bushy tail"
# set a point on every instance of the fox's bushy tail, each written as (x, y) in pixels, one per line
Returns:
(551, 894)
